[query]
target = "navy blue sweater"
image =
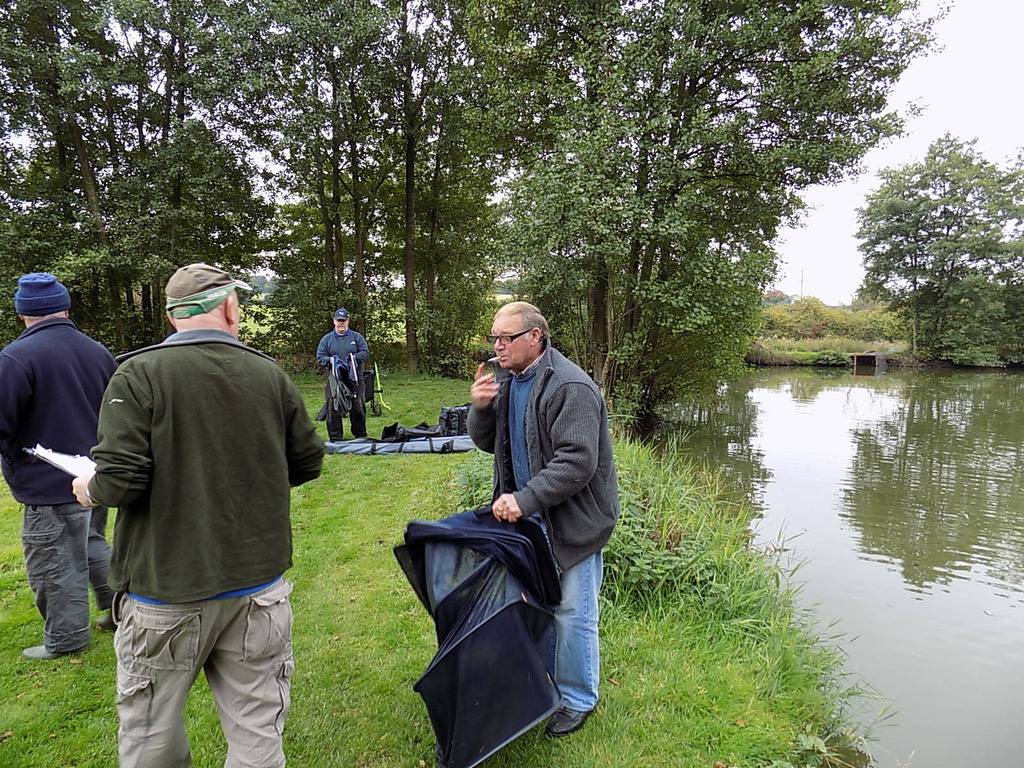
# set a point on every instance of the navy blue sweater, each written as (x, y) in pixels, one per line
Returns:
(350, 342)
(52, 379)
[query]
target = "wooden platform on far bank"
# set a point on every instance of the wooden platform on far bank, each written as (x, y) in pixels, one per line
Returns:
(873, 360)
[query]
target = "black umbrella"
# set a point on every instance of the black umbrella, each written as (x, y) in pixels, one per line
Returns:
(491, 588)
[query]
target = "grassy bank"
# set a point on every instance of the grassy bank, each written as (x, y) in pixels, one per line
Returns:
(824, 351)
(703, 660)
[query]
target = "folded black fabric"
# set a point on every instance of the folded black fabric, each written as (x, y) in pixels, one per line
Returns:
(491, 588)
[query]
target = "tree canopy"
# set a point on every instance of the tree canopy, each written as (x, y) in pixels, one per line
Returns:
(629, 163)
(659, 147)
(942, 241)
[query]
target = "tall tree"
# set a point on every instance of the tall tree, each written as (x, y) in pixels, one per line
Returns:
(934, 237)
(660, 144)
(131, 159)
(438, 92)
(337, 119)
(377, 129)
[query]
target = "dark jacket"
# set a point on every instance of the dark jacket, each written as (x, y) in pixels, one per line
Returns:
(200, 440)
(573, 482)
(350, 342)
(52, 379)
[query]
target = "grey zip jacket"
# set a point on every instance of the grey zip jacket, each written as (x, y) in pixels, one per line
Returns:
(572, 484)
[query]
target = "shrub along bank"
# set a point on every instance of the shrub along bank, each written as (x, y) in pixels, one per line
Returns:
(704, 659)
(807, 332)
(832, 351)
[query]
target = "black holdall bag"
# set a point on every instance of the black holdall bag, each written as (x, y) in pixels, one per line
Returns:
(453, 420)
(397, 433)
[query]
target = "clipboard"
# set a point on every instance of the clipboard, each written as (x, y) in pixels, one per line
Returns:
(73, 465)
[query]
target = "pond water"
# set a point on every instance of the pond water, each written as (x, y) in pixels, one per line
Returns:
(901, 495)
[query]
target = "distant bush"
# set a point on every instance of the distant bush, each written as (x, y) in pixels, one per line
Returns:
(389, 356)
(977, 358)
(831, 357)
(828, 350)
(810, 318)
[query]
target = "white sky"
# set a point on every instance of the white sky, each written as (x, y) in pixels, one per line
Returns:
(969, 86)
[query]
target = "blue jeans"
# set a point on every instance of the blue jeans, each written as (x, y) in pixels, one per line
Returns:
(577, 655)
(65, 550)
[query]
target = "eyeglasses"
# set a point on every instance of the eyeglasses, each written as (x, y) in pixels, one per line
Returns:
(507, 338)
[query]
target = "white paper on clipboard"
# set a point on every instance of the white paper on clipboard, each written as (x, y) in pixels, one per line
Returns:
(74, 465)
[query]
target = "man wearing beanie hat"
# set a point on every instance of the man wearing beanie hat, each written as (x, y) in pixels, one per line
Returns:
(52, 379)
(200, 440)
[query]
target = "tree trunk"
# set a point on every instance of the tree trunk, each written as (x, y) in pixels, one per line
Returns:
(433, 258)
(332, 71)
(92, 196)
(598, 314)
(159, 315)
(324, 206)
(631, 319)
(141, 87)
(147, 306)
(179, 174)
(408, 250)
(360, 209)
(165, 121)
(112, 144)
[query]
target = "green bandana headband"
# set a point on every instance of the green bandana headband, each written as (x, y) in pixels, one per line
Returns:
(198, 303)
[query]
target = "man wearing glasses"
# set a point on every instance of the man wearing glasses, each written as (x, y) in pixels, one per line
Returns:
(547, 426)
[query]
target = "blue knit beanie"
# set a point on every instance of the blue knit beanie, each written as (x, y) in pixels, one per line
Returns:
(40, 293)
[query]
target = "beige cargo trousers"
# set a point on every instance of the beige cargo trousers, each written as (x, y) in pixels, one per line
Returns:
(242, 644)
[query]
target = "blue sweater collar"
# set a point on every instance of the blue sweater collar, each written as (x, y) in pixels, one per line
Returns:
(201, 334)
(47, 324)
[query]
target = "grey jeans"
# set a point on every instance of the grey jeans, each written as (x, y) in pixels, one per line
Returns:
(65, 551)
(243, 644)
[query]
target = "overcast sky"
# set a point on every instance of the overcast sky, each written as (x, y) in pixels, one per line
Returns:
(969, 86)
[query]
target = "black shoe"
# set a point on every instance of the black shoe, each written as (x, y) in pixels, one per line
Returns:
(566, 721)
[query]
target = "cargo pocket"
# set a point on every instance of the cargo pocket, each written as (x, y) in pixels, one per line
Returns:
(45, 548)
(284, 684)
(268, 623)
(163, 641)
(131, 685)
(134, 702)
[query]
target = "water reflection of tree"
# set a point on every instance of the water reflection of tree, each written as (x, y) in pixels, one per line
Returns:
(938, 485)
(805, 385)
(719, 432)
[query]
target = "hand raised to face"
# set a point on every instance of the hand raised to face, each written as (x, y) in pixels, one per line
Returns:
(484, 388)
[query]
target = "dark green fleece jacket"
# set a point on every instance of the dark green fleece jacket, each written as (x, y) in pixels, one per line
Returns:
(199, 444)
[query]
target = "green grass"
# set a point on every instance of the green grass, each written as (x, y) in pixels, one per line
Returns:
(710, 666)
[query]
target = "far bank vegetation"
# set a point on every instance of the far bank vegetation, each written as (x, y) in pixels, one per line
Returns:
(807, 332)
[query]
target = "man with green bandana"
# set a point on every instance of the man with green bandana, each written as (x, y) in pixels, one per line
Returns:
(200, 439)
